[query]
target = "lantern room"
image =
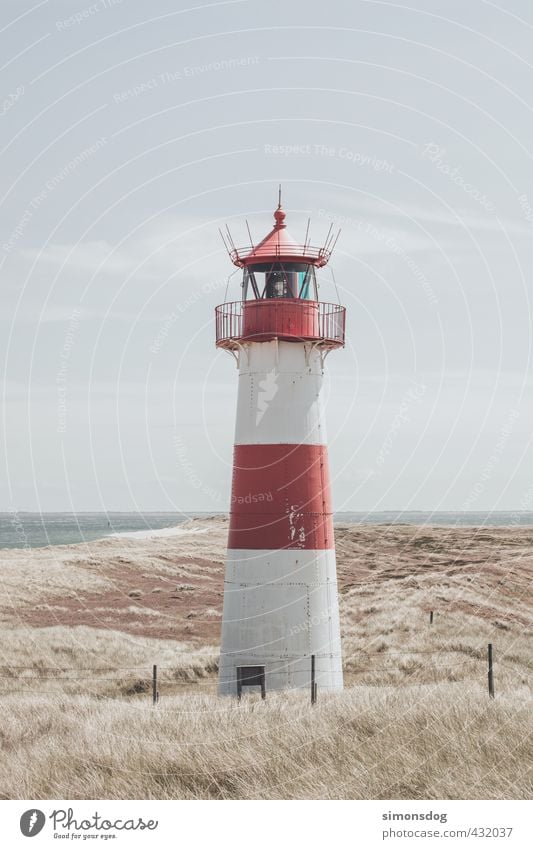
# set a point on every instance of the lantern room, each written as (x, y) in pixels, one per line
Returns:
(280, 280)
(279, 297)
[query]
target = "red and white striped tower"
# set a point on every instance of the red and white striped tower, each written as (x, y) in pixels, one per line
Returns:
(280, 591)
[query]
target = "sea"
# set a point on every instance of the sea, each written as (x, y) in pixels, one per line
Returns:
(35, 530)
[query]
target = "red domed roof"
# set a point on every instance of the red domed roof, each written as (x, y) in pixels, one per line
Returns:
(278, 243)
(279, 246)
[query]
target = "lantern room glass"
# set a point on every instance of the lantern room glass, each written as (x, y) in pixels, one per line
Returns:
(280, 280)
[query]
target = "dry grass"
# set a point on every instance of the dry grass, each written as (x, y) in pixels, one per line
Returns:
(414, 722)
(439, 741)
(145, 587)
(107, 664)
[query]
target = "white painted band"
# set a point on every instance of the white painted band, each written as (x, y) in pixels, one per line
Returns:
(279, 395)
(281, 607)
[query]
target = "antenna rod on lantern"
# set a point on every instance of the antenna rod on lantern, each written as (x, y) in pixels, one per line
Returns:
(330, 240)
(328, 237)
(307, 233)
(335, 242)
(249, 234)
(230, 238)
(223, 239)
(279, 196)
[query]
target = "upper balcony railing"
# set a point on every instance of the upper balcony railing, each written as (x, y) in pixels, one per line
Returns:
(248, 256)
(289, 319)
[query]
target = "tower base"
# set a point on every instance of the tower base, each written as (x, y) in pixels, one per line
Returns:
(279, 623)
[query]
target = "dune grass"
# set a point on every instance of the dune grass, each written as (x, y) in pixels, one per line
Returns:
(415, 720)
(98, 662)
(434, 741)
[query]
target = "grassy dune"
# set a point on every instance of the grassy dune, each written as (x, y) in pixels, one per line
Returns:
(104, 663)
(433, 741)
(415, 720)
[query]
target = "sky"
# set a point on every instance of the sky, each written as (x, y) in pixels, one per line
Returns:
(130, 132)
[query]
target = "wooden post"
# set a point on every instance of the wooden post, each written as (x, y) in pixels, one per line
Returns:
(491, 672)
(263, 685)
(313, 682)
(431, 617)
(239, 683)
(155, 694)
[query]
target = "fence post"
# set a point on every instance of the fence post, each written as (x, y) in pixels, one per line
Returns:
(431, 617)
(155, 694)
(313, 682)
(491, 672)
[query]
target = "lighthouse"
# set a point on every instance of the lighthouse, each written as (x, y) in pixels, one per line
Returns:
(280, 615)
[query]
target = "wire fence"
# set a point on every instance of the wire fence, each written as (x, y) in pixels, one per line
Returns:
(146, 680)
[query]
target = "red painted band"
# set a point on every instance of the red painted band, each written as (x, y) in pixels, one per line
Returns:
(285, 319)
(280, 498)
